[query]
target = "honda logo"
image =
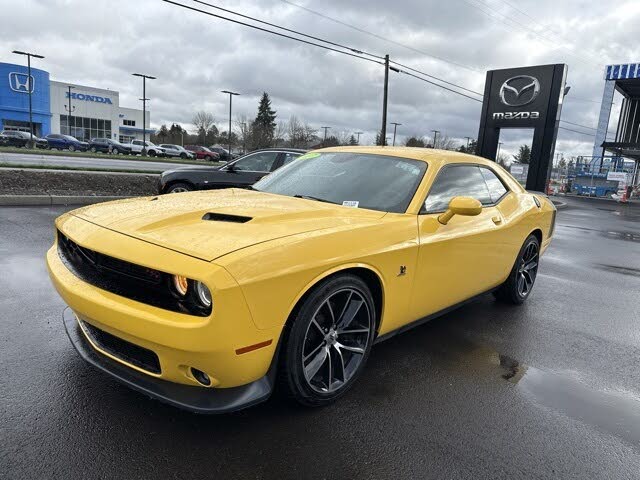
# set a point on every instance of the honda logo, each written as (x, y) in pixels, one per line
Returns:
(19, 82)
(519, 91)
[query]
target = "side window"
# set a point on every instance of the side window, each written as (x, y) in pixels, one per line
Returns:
(257, 162)
(457, 181)
(495, 186)
(289, 157)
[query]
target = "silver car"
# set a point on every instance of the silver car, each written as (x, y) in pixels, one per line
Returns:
(171, 150)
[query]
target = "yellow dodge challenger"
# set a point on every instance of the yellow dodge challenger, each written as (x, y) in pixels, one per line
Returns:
(208, 300)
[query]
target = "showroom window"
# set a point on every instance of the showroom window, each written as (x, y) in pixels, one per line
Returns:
(126, 138)
(85, 128)
(129, 123)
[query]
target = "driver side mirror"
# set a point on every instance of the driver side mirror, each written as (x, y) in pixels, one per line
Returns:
(231, 167)
(466, 206)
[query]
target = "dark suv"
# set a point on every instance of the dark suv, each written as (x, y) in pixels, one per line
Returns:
(106, 145)
(242, 172)
(225, 156)
(12, 138)
(203, 153)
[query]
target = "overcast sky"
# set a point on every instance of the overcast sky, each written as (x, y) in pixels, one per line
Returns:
(101, 42)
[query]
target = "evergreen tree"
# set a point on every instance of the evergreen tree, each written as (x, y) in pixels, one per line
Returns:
(414, 142)
(523, 155)
(352, 140)
(264, 125)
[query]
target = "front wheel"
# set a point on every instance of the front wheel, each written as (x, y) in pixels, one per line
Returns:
(520, 282)
(115, 151)
(179, 188)
(183, 155)
(93, 149)
(72, 148)
(152, 153)
(327, 343)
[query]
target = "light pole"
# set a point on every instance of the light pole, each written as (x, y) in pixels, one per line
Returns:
(395, 127)
(29, 89)
(358, 134)
(144, 109)
(69, 110)
(244, 137)
(435, 138)
(498, 154)
(468, 140)
(231, 94)
(325, 135)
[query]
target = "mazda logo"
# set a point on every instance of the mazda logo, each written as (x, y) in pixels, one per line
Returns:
(519, 91)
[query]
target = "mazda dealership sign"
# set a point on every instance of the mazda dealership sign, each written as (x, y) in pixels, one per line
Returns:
(524, 97)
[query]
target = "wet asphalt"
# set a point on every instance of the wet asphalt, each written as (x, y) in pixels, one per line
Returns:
(550, 389)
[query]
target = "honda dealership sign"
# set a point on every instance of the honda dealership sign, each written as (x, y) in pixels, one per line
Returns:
(526, 97)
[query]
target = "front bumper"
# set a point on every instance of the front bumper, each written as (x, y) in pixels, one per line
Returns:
(191, 398)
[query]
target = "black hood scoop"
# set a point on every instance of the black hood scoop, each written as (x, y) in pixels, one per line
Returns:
(224, 217)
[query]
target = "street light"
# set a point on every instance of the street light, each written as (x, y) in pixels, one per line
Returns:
(325, 135)
(468, 140)
(395, 127)
(358, 134)
(69, 110)
(144, 109)
(29, 89)
(435, 138)
(231, 94)
(498, 154)
(244, 137)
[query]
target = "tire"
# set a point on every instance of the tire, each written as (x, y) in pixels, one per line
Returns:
(208, 158)
(517, 288)
(320, 360)
(72, 148)
(115, 151)
(93, 149)
(183, 155)
(179, 187)
(152, 153)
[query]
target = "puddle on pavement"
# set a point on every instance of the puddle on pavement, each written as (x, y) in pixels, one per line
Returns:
(615, 412)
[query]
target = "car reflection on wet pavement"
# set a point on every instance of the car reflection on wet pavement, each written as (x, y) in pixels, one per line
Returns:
(550, 389)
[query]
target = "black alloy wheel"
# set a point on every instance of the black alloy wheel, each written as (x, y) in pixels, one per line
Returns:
(517, 288)
(328, 341)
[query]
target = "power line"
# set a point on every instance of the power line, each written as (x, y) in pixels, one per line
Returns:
(437, 85)
(355, 50)
(436, 78)
(379, 37)
(271, 31)
(576, 131)
(578, 125)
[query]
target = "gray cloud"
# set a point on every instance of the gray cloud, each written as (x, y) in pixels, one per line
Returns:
(100, 43)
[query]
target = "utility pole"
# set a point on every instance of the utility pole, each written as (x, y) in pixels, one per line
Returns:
(498, 153)
(468, 140)
(325, 135)
(69, 110)
(383, 131)
(29, 89)
(231, 94)
(244, 137)
(395, 127)
(435, 138)
(358, 134)
(144, 109)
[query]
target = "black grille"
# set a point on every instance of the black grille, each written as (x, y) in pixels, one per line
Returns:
(126, 279)
(126, 351)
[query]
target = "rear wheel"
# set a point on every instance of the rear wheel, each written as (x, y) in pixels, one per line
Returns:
(72, 148)
(115, 151)
(179, 188)
(327, 343)
(523, 274)
(93, 149)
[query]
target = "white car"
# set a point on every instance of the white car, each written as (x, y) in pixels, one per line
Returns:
(171, 150)
(153, 150)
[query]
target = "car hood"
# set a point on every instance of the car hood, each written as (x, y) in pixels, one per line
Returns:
(210, 224)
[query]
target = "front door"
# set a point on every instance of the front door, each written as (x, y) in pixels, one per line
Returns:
(463, 258)
(249, 169)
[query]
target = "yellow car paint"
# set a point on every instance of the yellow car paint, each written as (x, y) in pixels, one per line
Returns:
(259, 270)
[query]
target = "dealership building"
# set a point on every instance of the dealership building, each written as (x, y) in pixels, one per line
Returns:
(66, 108)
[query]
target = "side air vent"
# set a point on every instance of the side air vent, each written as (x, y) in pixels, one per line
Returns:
(223, 217)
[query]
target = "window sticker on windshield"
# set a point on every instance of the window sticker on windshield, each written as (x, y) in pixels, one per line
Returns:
(412, 169)
(306, 156)
(351, 203)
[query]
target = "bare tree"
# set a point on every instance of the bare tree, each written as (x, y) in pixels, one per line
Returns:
(446, 143)
(279, 133)
(205, 124)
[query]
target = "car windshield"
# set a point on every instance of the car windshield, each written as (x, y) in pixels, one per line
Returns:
(376, 182)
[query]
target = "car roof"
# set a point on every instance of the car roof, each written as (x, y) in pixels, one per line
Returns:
(414, 153)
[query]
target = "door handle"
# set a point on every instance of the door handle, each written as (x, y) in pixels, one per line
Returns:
(497, 220)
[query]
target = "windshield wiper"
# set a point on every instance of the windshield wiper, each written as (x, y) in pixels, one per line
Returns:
(309, 197)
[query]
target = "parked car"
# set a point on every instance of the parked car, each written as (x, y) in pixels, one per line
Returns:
(12, 138)
(242, 172)
(65, 142)
(225, 155)
(202, 300)
(153, 150)
(203, 153)
(106, 145)
(171, 150)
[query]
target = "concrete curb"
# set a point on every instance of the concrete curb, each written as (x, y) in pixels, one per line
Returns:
(49, 200)
(559, 205)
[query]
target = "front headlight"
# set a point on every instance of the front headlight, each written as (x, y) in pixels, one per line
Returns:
(203, 294)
